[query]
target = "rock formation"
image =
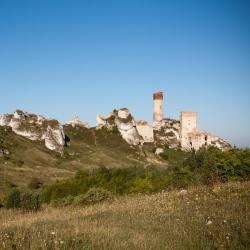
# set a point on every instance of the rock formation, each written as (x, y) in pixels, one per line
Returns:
(182, 134)
(77, 122)
(167, 132)
(36, 127)
(124, 122)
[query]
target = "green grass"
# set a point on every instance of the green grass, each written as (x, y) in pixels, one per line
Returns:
(200, 218)
(89, 149)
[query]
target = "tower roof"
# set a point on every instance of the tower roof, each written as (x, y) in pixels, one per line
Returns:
(158, 96)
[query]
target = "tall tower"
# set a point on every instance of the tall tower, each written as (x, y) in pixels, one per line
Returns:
(158, 106)
(188, 123)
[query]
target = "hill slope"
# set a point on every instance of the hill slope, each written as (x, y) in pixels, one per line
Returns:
(199, 218)
(88, 149)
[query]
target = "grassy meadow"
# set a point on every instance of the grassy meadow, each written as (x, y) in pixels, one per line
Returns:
(200, 217)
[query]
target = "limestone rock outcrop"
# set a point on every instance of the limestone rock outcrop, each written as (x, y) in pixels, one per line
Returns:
(36, 127)
(77, 122)
(124, 122)
(167, 132)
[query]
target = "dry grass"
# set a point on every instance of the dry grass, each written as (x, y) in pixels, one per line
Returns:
(200, 218)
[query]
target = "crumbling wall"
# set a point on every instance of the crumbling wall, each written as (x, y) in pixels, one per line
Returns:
(145, 130)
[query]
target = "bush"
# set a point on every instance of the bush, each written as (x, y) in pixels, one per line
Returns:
(141, 185)
(206, 166)
(178, 178)
(30, 201)
(13, 199)
(63, 189)
(211, 165)
(92, 196)
(66, 201)
(25, 200)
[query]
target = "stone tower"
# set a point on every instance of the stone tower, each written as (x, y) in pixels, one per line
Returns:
(188, 122)
(158, 106)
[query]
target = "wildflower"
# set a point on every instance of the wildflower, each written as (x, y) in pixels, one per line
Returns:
(209, 222)
(183, 191)
(53, 233)
(61, 241)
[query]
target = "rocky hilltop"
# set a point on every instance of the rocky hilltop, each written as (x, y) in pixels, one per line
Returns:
(75, 122)
(123, 121)
(166, 132)
(36, 127)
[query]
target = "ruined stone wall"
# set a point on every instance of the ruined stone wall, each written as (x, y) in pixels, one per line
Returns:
(145, 131)
(188, 125)
(188, 122)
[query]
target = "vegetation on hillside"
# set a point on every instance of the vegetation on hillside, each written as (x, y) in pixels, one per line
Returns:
(89, 149)
(215, 217)
(118, 196)
(204, 167)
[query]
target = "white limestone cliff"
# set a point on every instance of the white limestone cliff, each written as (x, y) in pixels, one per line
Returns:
(55, 138)
(35, 127)
(167, 132)
(77, 122)
(124, 122)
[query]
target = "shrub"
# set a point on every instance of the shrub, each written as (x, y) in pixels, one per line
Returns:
(142, 185)
(30, 201)
(66, 201)
(62, 189)
(25, 200)
(92, 196)
(212, 165)
(177, 178)
(13, 199)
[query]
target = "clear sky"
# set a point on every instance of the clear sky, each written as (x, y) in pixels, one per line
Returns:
(66, 58)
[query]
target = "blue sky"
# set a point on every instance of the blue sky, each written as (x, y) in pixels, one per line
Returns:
(67, 58)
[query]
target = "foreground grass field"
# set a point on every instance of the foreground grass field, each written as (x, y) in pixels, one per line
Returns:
(199, 218)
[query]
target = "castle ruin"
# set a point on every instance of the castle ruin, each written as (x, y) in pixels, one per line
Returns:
(189, 135)
(175, 134)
